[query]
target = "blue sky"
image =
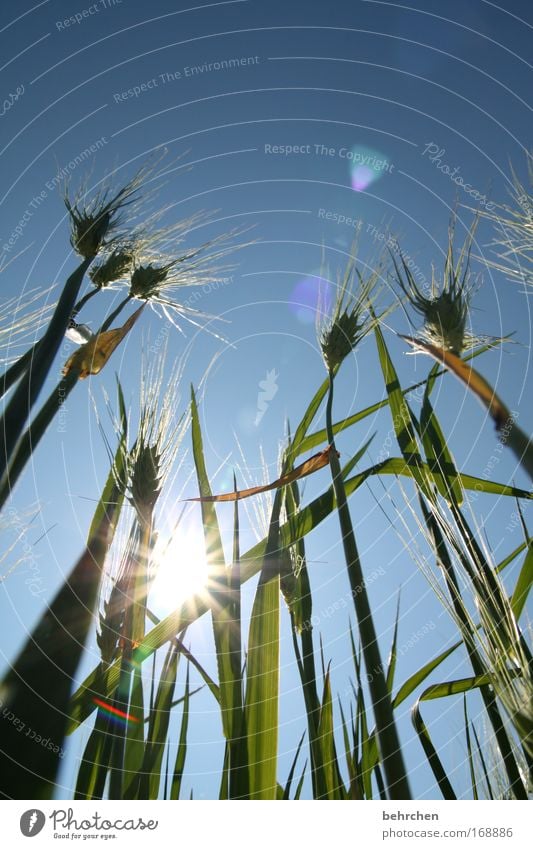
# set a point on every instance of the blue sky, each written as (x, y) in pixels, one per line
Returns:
(274, 106)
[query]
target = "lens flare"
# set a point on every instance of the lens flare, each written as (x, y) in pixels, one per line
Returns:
(114, 713)
(309, 296)
(362, 178)
(366, 167)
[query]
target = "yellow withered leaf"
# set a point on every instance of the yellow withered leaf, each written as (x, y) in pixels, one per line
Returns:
(92, 357)
(312, 464)
(469, 376)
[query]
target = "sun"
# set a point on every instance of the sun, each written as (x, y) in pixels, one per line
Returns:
(181, 568)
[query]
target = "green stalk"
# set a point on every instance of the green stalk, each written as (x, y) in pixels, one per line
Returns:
(19, 367)
(44, 417)
(38, 685)
(118, 746)
(141, 579)
(126, 745)
(82, 301)
(389, 743)
(238, 754)
(26, 393)
(299, 600)
(12, 374)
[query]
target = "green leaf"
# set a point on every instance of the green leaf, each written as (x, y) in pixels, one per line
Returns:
(112, 499)
(364, 741)
(454, 688)
(483, 765)
(326, 736)
(183, 650)
(262, 668)
(523, 584)
(350, 758)
(134, 749)
(94, 766)
(470, 756)
(431, 753)
(421, 674)
(296, 446)
(513, 555)
(223, 793)
(225, 592)
(352, 463)
(438, 455)
(181, 755)
(299, 599)
(287, 788)
(391, 668)
(300, 784)
(402, 418)
(218, 582)
(262, 680)
(159, 721)
(238, 775)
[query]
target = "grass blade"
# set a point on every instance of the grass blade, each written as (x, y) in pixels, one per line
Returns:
(287, 788)
(335, 788)
(431, 754)
(469, 752)
(523, 584)
(94, 767)
(438, 455)
(262, 670)
(393, 657)
(219, 586)
(298, 792)
(402, 417)
(150, 775)
(134, 749)
(421, 674)
(181, 755)
(483, 765)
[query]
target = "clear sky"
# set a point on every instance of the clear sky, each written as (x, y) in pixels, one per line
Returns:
(312, 122)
